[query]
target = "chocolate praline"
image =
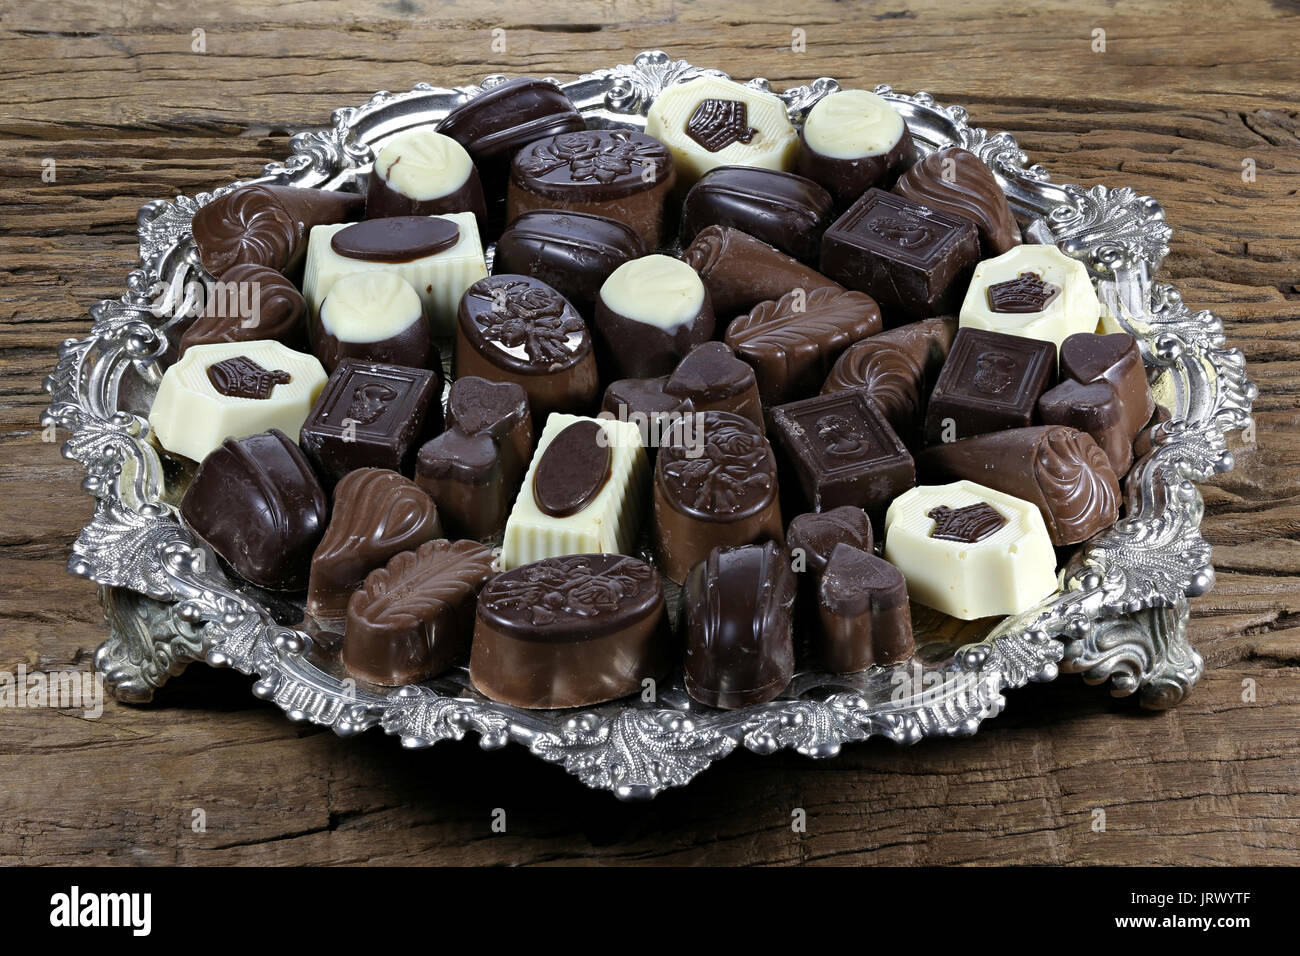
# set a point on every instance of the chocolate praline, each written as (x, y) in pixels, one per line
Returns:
(421, 172)
(786, 211)
(740, 271)
(649, 314)
(853, 140)
(250, 302)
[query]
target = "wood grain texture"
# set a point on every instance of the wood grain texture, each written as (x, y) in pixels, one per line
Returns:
(128, 112)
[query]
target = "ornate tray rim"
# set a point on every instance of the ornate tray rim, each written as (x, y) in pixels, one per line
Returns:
(1120, 616)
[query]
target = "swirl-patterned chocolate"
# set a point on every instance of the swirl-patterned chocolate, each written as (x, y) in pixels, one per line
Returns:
(250, 302)
(703, 252)
(956, 181)
(266, 225)
(1077, 484)
(891, 377)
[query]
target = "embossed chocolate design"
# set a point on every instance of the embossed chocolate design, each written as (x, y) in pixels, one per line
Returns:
(414, 617)
(793, 342)
(531, 326)
(911, 259)
(716, 124)
(377, 514)
(956, 181)
(570, 631)
(1026, 293)
(241, 377)
(266, 225)
(573, 469)
(1060, 470)
(592, 156)
(967, 525)
(396, 238)
(248, 303)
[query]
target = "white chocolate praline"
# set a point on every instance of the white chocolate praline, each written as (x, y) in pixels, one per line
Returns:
(774, 144)
(610, 521)
(657, 290)
(423, 164)
(1007, 572)
(1075, 309)
(440, 279)
(853, 124)
(190, 417)
(370, 307)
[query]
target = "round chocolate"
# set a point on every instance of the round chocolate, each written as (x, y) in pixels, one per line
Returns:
(723, 472)
(650, 313)
(396, 239)
(523, 324)
(373, 317)
(853, 140)
(573, 469)
(591, 165)
(572, 252)
(786, 211)
(421, 172)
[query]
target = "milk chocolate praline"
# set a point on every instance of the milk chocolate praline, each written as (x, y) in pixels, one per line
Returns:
(956, 181)
(786, 211)
(571, 631)
(740, 271)
(514, 328)
(738, 611)
(715, 485)
(572, 252)
(616, 173)
(250, 302)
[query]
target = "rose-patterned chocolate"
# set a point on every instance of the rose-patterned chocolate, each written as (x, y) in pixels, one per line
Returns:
(571, 631)
(715, 485)
(514, 328)
(616, 173)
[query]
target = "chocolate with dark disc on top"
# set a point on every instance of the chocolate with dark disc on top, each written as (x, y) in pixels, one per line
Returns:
(853, 140)
(500, 121)
(650, 313)
(266, 225)
(792, 343)
(473, 469)
(957, 182)
(738, 611)
(572, 470)
(572, 252)
(413, 618)
(863, 614)
(715, 485)
(248, 303)
(373, 316)
(514, 328)
(258, 504)
(740, 271)
(396, 239)
(618, 173)
(913, 260)
(371, 415)
(571, 631)
(377, 514)
(840, 450)
(786, 211)
(1060, 470)
(711, 378)
(991, 381)
(897, 368)
(421, 172)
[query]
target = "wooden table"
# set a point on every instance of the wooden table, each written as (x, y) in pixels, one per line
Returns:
(134, 103)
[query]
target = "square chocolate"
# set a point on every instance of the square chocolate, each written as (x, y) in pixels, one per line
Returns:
(371, 415)
(840, 450)
(991, 381)
(915, 262)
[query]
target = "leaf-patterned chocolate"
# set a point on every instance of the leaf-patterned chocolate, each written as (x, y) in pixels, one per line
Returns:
(413, 618)
(377, 514)
(792, 343)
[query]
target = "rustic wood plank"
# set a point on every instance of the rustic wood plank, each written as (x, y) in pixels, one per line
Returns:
(129, 113)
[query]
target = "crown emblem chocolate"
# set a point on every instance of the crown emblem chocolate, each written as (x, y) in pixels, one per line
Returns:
(1028, 292)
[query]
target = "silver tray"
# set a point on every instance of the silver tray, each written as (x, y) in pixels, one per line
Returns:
(1120, 615)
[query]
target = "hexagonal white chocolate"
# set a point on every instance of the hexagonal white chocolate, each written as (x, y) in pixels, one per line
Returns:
(970, 551)
(233, 390)
(440, 279)
(607, 523)
(711, 121)
(1034, 291)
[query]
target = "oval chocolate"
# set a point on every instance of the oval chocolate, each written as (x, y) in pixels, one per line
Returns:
(573, 469)
(395, 239)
